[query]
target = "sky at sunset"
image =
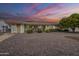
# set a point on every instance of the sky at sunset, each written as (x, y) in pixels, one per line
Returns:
(51, 12)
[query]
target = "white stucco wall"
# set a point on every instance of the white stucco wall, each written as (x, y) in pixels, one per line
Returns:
(13, 29)
(76, 29)
(22, 28)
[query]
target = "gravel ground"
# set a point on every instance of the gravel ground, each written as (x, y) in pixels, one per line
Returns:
(40, 44)
(1, 33)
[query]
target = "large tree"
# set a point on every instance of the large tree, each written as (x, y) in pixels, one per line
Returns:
(70, 22)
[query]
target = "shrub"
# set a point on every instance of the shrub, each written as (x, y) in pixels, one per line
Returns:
(39, 30)
(59, 30)
(29, 30)
(66, 30)
(48, 29)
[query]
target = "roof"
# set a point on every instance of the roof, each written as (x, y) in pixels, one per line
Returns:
(12, 21)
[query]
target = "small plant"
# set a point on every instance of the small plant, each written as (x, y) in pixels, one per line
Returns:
(29, 31)
(39, 29)
(48, 29)
(59, 30)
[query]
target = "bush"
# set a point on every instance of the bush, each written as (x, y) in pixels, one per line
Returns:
(61, 30)
(39, 30)
(29, 30)
(66, 30)
(51, 30)
(48, 30)
(58, 30)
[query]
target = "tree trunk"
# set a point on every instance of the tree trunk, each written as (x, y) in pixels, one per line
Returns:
(73, 29)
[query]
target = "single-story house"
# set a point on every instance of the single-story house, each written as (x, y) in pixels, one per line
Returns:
(15, 26)
(3, 26)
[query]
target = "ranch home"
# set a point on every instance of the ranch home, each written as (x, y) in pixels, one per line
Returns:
(15, 26)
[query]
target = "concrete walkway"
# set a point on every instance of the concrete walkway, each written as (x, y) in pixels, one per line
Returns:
(5, 36)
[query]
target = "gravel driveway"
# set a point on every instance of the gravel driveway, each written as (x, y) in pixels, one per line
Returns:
(40, 44)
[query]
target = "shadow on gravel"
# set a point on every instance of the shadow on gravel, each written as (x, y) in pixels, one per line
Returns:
(72, 37)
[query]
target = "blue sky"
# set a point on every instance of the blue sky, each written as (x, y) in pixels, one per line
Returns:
(48, 11)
